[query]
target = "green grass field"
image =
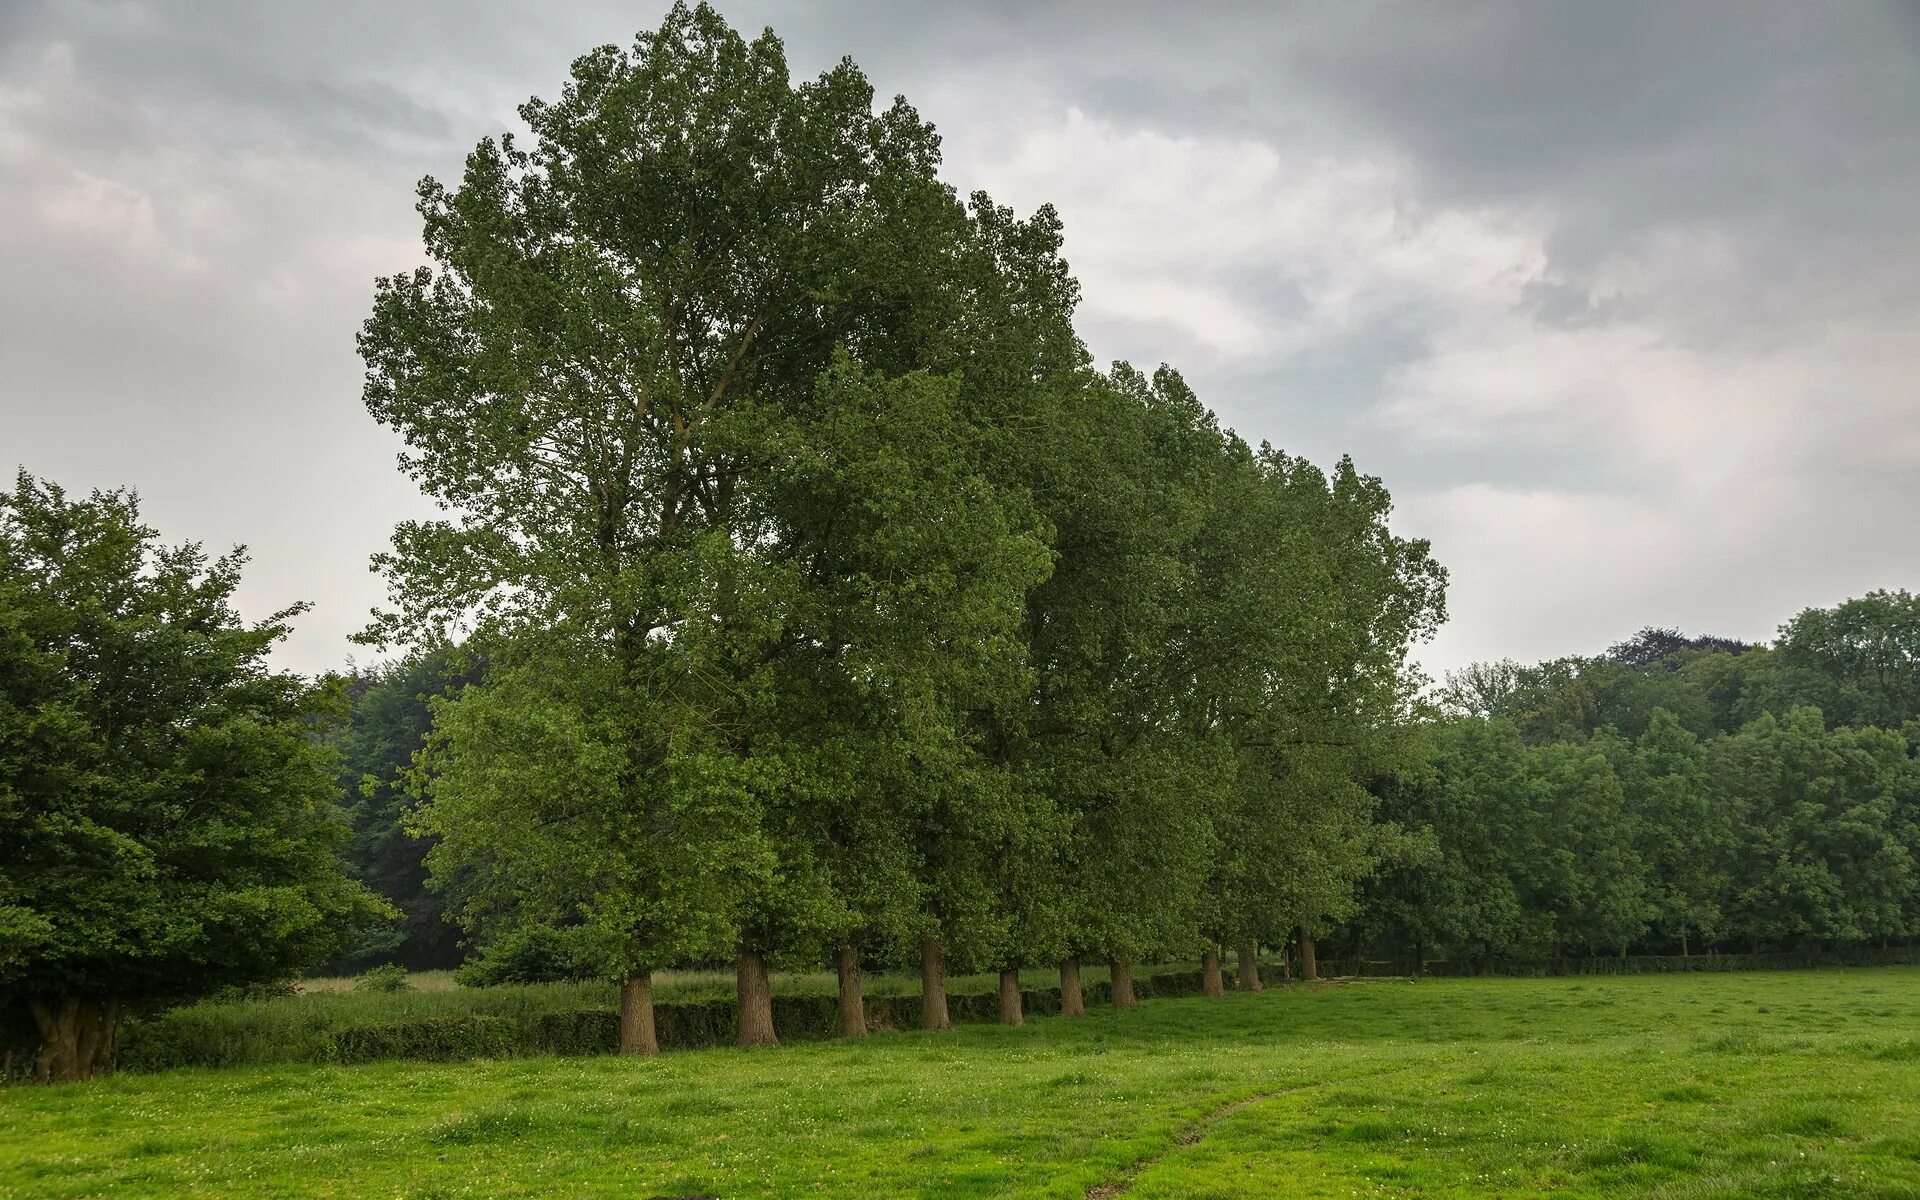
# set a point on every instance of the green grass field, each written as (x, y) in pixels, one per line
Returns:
(1780, 1084)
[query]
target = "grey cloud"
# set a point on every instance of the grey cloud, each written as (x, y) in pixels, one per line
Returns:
(200, 194)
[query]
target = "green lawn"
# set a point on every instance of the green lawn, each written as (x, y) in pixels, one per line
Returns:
(1788, 1084)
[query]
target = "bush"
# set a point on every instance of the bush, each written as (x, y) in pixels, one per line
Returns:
(386, 977)
(532, 954)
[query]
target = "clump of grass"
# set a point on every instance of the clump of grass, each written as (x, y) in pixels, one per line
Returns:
(1739, 1040)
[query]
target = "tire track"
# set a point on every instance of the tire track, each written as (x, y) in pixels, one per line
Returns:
(1197, 1129)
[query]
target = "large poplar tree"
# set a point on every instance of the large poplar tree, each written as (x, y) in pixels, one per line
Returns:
(611, 378)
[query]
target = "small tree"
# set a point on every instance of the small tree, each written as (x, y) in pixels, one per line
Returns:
(168, 819)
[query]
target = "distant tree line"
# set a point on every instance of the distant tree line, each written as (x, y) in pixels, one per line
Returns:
(1673, 795)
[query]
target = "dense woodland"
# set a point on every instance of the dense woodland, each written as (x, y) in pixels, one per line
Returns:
(806, 595)
(1670, 796)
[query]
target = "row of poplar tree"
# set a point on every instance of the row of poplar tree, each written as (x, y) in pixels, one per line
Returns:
(818, 598)
(833, 605)
(1673, 795)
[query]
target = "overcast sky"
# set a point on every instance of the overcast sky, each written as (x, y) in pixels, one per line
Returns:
(1623, 301)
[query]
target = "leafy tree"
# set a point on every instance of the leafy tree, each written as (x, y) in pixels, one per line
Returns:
(1480, 814)
(1685, 839)
(389, 716)
(1113, 785)
(1484, 689)
(1589, 879)
(1669, 647)
(168, 817)
(915, 568)
(1865, 654)
(607, 376)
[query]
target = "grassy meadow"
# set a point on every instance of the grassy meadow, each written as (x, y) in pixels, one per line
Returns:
(1776, 1084)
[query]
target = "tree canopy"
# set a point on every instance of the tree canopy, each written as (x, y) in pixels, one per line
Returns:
(169, 819)
(1676, 793)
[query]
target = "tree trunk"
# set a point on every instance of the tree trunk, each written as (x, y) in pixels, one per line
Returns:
(1248, 976)
(933, 986)
(755, 993)
(853, 1008)
(636, 1015)
(1684, 951)
(1210, 982)
(1073, 1001)
(77, 1037)
(1011, 1012)
(1309, 968)
(1120, 970)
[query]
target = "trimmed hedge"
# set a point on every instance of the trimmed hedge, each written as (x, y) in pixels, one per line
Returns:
(1635, 964)
(186, 1038)
(172, 1040)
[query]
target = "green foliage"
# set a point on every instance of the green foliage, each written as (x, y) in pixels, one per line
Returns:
(720, 520)
(170, 821)
(534, 952)
(1678, 793)
(386, 977)
(1862, 656)
(829, 599)
(388, 718)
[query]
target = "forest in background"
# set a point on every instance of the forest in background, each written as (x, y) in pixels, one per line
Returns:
(1671, 796)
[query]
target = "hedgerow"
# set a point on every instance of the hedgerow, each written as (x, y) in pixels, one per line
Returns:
(519, 1022)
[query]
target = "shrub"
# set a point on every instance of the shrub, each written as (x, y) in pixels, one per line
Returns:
(531, 954)
(386, 977)
(271, 989)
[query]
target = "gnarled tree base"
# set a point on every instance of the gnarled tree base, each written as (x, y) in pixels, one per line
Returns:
(1012, 1012)
(933, 986)
(754, 992)
(636, 1015)
(1211, 982)
(853, 1008)
(1248, 976)
(77, 1037)
(1073, 1000)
